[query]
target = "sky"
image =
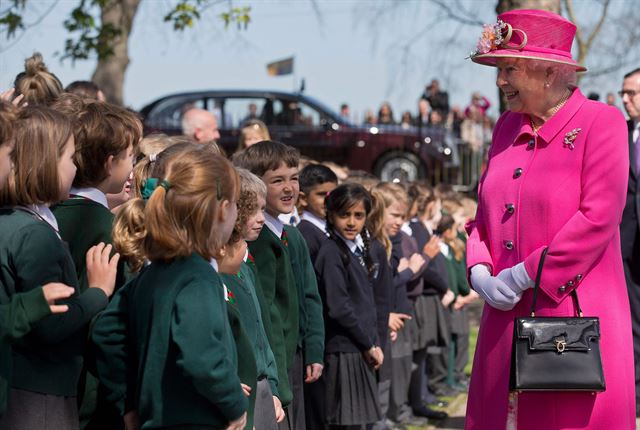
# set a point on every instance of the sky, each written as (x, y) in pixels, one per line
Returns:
(352, 51)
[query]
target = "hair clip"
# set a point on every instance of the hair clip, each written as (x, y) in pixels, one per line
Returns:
(165, 184)
(147, 188)
(153, 157)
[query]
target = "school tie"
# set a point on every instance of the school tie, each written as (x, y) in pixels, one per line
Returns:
(360, 256)
(284, 239)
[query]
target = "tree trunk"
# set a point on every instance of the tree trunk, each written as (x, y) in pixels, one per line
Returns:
(109, 73)
(506, 5)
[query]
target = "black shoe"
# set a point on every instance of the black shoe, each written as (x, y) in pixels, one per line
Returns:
(430, 413)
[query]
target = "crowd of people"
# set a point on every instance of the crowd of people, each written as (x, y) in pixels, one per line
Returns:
(472, 124)
(152, 282)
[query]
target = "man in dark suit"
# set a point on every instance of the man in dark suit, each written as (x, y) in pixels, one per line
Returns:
(630, 226)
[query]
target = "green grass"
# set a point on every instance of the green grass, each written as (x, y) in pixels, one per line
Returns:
(473, 338)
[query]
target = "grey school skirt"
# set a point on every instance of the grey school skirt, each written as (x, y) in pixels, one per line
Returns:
(27, 410)
(351, 390)
(432, 323)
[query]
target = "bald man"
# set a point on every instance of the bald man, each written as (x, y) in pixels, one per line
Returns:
(201, 125)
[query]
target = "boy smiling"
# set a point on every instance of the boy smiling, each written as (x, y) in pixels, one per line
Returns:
(286, 277)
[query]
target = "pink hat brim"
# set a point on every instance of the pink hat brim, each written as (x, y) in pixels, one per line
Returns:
(489, 59)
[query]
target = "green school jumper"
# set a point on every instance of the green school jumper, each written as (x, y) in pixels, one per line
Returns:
(280, 311)
(181, 370)
(49, 358)
(246, 301)
(16, 320)
(311, 335)
(247, 367)
(84, 223)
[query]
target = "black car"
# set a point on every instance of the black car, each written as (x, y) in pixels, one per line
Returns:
(390, 152)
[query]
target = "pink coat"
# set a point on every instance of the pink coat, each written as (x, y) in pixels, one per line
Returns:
(569, 197)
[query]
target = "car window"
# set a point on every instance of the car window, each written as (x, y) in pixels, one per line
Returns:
(240, 110)
(168, 114)
(294, 113)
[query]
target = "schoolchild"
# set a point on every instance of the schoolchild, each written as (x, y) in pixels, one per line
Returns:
(286, 277)
(384, 295)
(45, 364)
(36, 85)
(126, 233)
(345, 276)
(19, 315)
(164, 347)
(316, 182)
(434, 334)
(407, 264)
(240, 280)
(106, 137)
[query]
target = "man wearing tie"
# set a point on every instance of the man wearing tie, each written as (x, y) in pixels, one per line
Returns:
(630, 226)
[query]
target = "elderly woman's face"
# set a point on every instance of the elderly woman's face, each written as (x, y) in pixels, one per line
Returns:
(522, 86)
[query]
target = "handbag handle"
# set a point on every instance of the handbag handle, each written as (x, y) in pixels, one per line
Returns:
(574, 294)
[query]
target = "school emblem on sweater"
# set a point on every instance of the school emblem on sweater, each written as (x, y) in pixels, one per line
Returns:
(570, 137)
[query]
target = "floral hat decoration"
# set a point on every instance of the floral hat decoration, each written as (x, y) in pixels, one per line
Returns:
(527, 33)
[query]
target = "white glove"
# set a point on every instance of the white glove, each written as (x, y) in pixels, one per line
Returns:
(493, 290)
(516, 278)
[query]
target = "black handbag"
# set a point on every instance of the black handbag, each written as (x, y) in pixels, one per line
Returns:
(556, 353)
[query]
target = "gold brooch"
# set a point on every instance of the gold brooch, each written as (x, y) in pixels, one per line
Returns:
(570, 137)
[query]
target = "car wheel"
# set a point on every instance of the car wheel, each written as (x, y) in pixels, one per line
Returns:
(399, 167)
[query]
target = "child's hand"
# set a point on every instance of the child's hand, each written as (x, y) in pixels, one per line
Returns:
(396, 321)
(374, 357)
(7, 95)
(448, 298)
(403, 265)
(246, 389)
(432, 247)
(56, 291)
(131, 420)
(314, 371)
(277, 405)
(416, 262)
(101, 271)
(393, 336)
(459, 303)
(239, 423)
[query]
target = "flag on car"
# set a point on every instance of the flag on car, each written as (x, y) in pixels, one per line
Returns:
(280, 67)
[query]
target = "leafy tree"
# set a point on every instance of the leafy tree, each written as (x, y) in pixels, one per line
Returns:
(101, 28)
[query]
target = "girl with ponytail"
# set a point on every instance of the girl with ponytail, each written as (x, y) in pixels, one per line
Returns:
(165, 351)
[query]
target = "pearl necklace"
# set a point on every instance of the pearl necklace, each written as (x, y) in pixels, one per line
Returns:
(552, 111)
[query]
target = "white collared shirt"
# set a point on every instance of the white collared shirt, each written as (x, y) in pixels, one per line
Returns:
(353, 245)
(273, 224)
(92, 194)
(636, 132)
(407, 229)
(246, 255)
(46, 214)
(316, 220)
(292, 218)
(214, 264)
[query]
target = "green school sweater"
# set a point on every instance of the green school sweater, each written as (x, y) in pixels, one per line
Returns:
(16, 319)
(247, 369)
(457, 272)
(48, 359)
(84, 223)
(311, 335)
(243, 287)
(277, 284)
(164, 346)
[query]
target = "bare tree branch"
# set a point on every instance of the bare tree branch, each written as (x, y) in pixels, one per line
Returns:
(461, 15)
(598, 27)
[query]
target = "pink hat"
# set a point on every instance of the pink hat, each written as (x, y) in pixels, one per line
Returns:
(527, 33)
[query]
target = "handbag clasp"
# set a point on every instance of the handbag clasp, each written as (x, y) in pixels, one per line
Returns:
(561, 344)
